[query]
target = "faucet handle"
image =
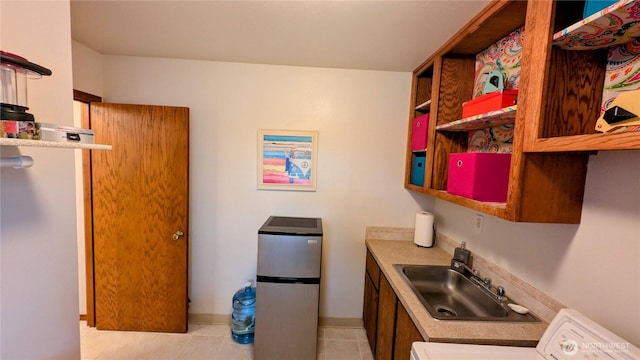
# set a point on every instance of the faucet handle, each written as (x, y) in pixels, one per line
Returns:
(500, 291)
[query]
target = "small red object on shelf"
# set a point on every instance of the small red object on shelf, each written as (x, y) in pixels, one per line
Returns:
(489, 102)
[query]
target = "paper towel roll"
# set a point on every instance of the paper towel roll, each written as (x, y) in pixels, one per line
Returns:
(423, 233)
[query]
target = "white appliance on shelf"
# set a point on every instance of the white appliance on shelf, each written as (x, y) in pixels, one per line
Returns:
(288, 288)
(570, 336)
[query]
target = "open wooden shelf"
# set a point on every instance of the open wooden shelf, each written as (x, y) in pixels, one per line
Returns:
(591, 142)
(506, 116)
(424, 107)
(52, 144)
(564, 115)
(614, 25)
(553, 123)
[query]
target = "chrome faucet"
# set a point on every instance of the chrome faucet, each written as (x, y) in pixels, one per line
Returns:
(460, 267)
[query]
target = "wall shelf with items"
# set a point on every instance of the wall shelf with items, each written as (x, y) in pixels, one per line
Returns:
(615, 25)
(577, 63)
(54, 144)
(20, 162)
(419, 127)
(542, 187)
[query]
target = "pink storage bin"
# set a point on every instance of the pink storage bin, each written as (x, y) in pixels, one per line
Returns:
(479, 176)
(419, 129)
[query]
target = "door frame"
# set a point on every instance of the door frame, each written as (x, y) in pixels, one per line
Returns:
(88, 208)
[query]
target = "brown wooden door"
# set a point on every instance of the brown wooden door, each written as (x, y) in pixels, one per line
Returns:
(406, 334)
(140, 204)
(385, 334)
(370, 311)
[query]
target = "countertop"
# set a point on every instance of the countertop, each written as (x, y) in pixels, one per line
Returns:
(389, 252)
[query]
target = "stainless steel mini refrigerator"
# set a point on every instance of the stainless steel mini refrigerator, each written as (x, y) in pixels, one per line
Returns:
(288, 288)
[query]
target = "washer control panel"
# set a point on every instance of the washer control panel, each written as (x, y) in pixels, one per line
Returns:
(572, 336)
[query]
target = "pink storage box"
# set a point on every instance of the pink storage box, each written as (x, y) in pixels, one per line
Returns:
(479, 176)
(419, 129)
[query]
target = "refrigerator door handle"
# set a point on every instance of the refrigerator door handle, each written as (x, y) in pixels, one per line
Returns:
(287, 280)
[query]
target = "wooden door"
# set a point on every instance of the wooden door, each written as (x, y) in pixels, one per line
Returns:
(370, 303)
(385, 334)
(406, 334)
(370, 311)
(140, 210)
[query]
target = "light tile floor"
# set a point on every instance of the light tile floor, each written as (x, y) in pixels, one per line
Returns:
(211, 342)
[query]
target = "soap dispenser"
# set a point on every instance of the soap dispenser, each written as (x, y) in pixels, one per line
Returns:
(462, 254)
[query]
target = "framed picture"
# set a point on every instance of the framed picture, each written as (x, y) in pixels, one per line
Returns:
(287, 160)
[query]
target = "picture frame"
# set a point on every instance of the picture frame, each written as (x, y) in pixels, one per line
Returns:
(287, 160)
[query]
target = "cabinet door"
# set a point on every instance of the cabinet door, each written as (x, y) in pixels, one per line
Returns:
(386, 320)
(406, 334)
(370, 311)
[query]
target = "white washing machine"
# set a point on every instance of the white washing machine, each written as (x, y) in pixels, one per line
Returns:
(570, 336)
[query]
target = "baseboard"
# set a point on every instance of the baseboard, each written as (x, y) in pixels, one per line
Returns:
(341, 322)
(209, 319)
(225, 319)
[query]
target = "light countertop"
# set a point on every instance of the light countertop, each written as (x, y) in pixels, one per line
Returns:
(389, 252)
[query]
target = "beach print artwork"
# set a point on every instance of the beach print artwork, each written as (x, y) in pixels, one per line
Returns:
(287, 160)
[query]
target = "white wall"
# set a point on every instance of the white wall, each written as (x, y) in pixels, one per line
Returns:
(38, 259)
(87, 69)
(361, 117)
(593, 267)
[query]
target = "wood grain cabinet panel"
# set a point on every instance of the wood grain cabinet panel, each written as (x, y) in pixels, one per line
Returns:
(385, 337)
(406, 334)
(370, 302)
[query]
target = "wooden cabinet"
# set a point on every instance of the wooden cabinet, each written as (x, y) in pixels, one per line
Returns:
(386, 321)
(406, 334)
(370, 303)
(565, 85)
(560, 93)
(390, 330)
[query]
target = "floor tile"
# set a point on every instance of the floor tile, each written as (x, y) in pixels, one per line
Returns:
(341, 350)
(211, 342)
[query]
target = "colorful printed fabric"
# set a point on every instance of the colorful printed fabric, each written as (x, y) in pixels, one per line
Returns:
(497, 139)
(616, 24)
(623, 71)
(505, 56)
(490, 119)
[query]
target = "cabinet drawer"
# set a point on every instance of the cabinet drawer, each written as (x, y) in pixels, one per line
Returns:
(373, 270)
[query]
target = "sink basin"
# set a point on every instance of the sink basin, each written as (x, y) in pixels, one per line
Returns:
(449, 295)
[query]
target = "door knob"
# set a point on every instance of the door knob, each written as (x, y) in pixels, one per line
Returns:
(178, 234)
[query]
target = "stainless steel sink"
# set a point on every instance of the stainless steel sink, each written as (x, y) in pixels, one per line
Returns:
(450, 295)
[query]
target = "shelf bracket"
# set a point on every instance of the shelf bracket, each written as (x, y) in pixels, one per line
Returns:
(16, 162)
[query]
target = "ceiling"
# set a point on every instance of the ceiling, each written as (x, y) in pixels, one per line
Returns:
(372, 35)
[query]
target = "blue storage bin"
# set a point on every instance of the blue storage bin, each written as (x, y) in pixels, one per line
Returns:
(593, 6)
(417, 170)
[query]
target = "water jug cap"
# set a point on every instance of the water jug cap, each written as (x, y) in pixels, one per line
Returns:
(247, 285)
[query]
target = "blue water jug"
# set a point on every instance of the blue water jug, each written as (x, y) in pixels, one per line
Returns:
(243, 317)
